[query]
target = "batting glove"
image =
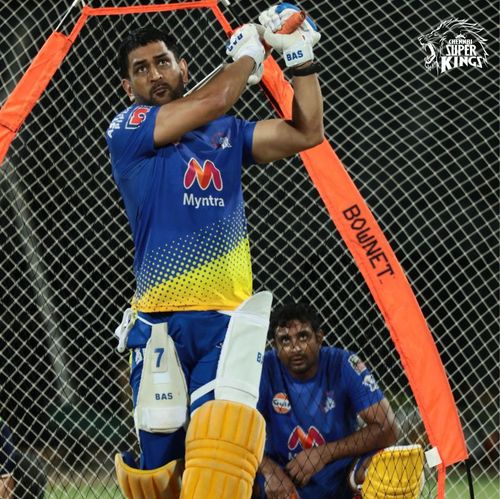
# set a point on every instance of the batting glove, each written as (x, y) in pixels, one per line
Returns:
(246, 41)
(297, 47)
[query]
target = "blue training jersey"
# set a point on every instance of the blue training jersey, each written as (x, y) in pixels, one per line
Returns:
(184, 203)
(7, 450)
(303, 414)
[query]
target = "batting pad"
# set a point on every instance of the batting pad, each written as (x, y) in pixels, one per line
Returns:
(396, 472)
(242, 354)
(224, 447)
(160, 483)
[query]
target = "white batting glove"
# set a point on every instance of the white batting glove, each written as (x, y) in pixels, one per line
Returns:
(246, 41)
(297, 47)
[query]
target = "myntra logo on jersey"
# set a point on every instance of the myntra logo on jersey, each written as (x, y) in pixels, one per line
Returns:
(204, 176)
(313, 438)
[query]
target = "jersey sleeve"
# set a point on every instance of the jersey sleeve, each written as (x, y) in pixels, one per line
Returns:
(247, 129)
(130, 138)
(360, 383)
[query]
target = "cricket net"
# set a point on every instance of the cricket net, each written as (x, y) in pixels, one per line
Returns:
(420, 147)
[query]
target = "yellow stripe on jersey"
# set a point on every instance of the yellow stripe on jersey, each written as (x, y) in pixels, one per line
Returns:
(219, 284)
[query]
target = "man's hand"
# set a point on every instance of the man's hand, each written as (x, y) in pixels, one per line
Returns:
(278, 485)
(306, 464)
(296, 47)
(246, 41)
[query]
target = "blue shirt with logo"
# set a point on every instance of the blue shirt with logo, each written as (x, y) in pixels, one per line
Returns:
(302, 414)
(184, 203)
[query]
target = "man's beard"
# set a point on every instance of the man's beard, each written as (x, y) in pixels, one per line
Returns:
(170, 93)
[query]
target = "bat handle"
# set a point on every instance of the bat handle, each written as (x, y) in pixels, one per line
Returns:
(289, 26)
(292, 23)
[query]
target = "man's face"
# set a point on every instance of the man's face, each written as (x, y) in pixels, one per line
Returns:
(298, 348)
(154, 75)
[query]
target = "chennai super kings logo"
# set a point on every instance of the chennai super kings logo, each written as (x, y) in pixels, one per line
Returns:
(454, 44)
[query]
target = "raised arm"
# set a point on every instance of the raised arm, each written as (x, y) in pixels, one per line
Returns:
(277, 139)
(215, 98)
(203, 105)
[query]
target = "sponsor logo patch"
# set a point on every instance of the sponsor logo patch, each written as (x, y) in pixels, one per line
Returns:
(137, 116)
(204, 175)
(164, 396)
(313, 438)
(281, 404)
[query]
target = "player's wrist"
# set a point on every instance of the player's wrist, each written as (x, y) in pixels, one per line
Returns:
(306, 69)
(270, 468)
(248, 61)
(253, 56)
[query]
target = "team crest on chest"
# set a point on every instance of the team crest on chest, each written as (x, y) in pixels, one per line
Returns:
(357, 364)
(220, 140)
(328, 402)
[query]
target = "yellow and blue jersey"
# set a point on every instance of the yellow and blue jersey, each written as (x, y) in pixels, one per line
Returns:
(184, 203)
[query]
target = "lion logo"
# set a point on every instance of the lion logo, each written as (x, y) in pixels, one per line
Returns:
(454, 43)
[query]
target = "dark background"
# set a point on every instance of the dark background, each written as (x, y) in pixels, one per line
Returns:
(421, 148)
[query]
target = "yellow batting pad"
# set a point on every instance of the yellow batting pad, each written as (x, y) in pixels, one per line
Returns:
(160, 483)
(224, 447)
(395, 472)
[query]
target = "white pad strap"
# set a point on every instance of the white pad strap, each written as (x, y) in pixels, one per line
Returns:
(242, 354)
(122, 331)
(162, 398)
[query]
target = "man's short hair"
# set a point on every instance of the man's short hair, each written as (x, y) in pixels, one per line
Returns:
(139, 38)
(301, 312)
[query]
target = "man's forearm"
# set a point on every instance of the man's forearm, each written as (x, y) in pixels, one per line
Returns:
(229, 84)
(371, 437)
(268, 466)
(307, 106)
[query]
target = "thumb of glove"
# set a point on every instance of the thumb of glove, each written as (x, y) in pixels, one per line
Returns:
(260, 30)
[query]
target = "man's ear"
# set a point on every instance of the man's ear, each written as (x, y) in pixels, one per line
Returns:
(319, 336)
(128, 89)
(184, 70)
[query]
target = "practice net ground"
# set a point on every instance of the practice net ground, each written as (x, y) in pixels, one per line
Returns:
(421, 148)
